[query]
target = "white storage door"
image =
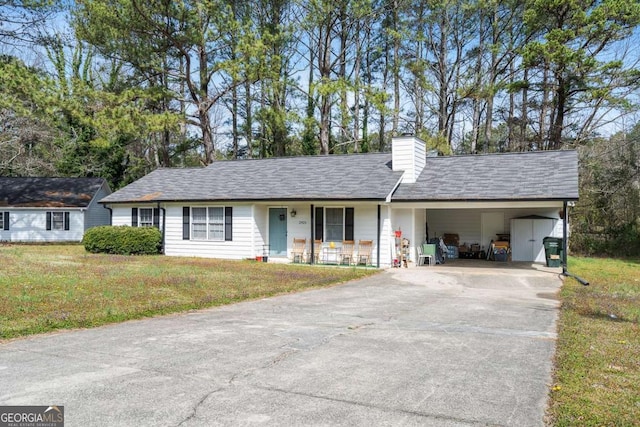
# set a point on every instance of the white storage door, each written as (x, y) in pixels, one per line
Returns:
(541, 229)
(527, 238)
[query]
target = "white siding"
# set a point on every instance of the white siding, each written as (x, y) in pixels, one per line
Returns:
(387, 237)
(259, 226)
(121, 215)
(30, 225)
(239, 248)
(408, 154)
(250, 229)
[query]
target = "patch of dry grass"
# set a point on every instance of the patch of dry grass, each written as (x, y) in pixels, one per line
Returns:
(43, 288)
(597, 378)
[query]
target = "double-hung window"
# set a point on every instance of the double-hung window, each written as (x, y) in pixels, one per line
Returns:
(334, 224)
(207, 223)
(146, 217)
(4, 221)
(57, 221)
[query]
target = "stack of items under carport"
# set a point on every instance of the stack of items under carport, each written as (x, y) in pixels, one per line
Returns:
(452, 241)
(500, 250)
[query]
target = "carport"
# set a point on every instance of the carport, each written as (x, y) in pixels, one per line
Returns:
(524, 196)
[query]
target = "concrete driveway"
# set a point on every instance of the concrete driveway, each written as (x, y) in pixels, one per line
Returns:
(441, 346)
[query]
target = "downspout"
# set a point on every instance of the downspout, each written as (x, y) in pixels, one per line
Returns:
(313, 237)
(379, 235)
(110, 214)
(565, 228)
(164, 225)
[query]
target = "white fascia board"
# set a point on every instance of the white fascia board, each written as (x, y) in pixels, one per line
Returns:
(478, 204)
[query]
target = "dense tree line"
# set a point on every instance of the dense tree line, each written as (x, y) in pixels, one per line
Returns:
(121, 87)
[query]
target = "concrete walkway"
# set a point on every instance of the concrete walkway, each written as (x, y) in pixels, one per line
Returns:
(441, 346)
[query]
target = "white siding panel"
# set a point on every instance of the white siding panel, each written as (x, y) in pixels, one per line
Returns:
(240, 247)
(30, 225)
(121, 215)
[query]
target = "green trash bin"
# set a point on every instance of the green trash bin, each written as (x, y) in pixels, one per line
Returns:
(553, 251)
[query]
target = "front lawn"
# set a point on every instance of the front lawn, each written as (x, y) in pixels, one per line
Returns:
(597, 378)
(43, 288)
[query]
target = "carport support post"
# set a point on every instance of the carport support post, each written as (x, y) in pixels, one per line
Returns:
(565, 228)
(378, 245)
(313, 237)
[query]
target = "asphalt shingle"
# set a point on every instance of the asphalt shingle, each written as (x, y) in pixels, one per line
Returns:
(336, 177)
(48, 192)
(539, 175)
(546, 175)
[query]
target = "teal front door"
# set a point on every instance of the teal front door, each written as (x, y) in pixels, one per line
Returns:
(278, 232)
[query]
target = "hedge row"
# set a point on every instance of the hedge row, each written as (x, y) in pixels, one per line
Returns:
(122, 240)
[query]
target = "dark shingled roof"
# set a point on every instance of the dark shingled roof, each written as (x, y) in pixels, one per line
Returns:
(336, 177)
(540, 175)
(48, 192)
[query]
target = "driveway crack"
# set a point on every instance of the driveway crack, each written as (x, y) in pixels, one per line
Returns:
(194, 410)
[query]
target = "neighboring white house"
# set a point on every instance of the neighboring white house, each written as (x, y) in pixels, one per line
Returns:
(50, 209)
(247, 208)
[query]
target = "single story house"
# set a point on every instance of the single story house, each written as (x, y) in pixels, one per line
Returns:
(50, 209)
(248, 208)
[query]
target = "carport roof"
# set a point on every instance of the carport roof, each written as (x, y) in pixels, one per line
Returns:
(538, 175)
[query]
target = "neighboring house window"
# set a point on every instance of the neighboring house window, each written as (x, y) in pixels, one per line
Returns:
(334, 224)
(212, 223)
(58, 221)
(145, 217)
(4, 220)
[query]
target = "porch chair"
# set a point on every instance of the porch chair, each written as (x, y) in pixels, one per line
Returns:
(317, 248)
(364, 252)
(299, 246)
(346, 253)
(426, 252)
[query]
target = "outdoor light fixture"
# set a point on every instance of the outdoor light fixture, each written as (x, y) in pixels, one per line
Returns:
(293, 213)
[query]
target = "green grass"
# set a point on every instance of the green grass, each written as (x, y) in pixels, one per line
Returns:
(597, 378)
(44, 288)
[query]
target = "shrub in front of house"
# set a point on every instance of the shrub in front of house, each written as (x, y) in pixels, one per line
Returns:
(122, 240)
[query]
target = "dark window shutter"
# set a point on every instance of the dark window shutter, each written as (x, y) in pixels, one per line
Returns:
(228, 223)
(6, 220)
(319, 223)
(48, 220)
(185, 222)
(134, 217)
(156, 217)
(66, 221)
(348, 223)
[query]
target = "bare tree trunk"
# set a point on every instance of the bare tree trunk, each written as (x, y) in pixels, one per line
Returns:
(234, 121)
(396, 68)
(560, 99)
(356, 93)
(544, 109)
(324, 67)
(248, 124)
